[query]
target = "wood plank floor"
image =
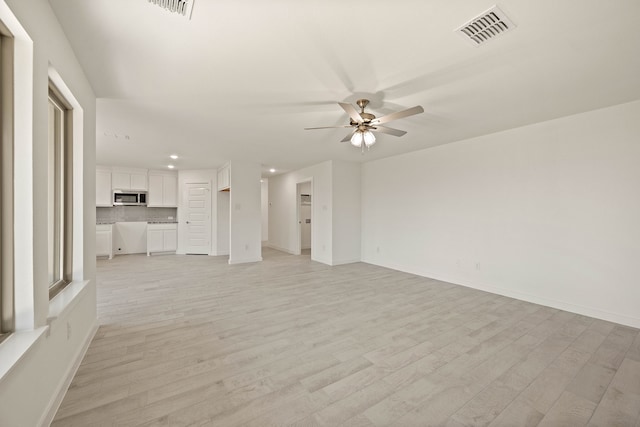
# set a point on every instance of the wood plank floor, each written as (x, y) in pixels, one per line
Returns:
(193, 341)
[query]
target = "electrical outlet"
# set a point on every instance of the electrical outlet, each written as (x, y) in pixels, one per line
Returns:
(68, 330)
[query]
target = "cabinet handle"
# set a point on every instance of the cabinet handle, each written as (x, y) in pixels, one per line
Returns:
(187, 222)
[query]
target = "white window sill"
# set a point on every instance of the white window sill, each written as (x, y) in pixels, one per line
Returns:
(16, 346)
(65, 300)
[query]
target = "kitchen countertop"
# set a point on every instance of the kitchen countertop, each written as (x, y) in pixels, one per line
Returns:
(162, 222)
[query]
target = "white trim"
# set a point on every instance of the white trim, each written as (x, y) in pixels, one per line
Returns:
(244, 261)
(345, 261)
(16, 346)
(24, 296)
(279, 248)
(58, 397)
(66, 299)
(77, 173)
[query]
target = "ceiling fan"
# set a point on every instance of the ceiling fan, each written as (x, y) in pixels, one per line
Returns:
(364, 124)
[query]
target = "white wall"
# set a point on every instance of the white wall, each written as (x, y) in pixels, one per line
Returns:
(546, 213)
(245, 243)
(55, 334)
(264, 207)
(346, 212)
(283, 231)
(224, 207)
(206, 176)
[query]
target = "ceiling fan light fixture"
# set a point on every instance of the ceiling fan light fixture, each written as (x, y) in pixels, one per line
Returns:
(363, 136)
(369, 138)
(356, 139)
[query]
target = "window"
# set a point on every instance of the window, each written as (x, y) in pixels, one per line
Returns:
(6, 180)
(60, 203)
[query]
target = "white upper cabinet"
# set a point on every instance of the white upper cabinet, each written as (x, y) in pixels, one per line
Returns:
(163, 189)
(139, 181)
(129, 180)
(103, 188)
(223, 178)
(121, 181)
(170, 190)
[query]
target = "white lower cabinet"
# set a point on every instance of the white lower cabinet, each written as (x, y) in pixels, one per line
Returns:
(104, 240)
(162, 238)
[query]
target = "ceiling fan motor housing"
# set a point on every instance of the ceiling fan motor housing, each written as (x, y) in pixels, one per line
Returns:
(367, 117)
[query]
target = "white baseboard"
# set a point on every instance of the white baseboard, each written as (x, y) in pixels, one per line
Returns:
(278, 248)
(244, 260)
(56, 401)
(347, 261)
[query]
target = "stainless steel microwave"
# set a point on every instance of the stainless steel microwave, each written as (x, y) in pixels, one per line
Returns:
(129, 198)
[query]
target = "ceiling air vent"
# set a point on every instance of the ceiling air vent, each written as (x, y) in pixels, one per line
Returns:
(486, 26)
(181, 7)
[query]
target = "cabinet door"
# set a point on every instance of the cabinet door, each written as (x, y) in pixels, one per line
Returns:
(220, 185)
(223, 178)
(138, 181)
(170, 240)
(121, 181)
(103, 243)
(155, 240)
(155, 191)
(103, 188)
(170, 191)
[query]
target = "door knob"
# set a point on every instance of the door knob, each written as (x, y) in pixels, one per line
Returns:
(187, 222)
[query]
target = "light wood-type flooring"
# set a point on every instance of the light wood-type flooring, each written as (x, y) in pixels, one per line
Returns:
(193, 341)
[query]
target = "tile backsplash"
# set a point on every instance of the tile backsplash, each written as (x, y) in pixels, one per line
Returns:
(135, 213)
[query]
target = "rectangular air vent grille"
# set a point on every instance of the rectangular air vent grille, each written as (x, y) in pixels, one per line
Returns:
(181, 7)
(486, 26)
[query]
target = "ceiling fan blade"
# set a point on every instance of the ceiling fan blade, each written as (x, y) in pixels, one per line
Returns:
(348, 137)
(352, 112)
(329, 127)
(398, 115)
(390, 131)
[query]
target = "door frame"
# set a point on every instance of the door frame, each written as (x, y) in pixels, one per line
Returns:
(297, 250)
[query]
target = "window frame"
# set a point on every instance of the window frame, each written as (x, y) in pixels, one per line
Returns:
(7, 318)
(63, 192)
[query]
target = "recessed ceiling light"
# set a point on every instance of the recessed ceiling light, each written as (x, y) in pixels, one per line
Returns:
(171, 166)
(174, 156)
(272, 170)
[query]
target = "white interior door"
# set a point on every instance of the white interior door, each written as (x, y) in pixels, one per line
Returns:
(198, 218)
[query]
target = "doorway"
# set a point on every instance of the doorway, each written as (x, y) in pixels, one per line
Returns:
(304, 200)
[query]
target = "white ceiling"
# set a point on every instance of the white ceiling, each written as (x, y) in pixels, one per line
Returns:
(241, 79)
